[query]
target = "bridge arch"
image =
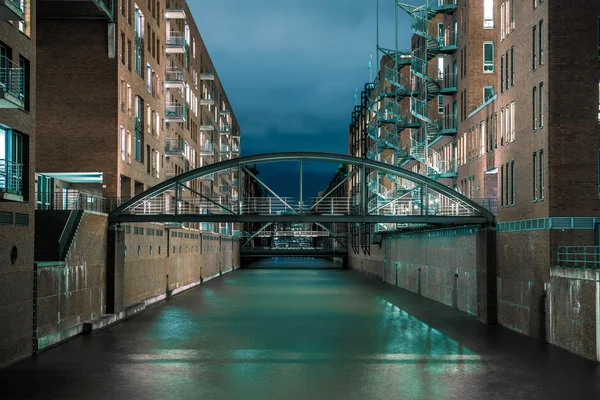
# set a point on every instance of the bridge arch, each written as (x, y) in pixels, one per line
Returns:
(408, 198)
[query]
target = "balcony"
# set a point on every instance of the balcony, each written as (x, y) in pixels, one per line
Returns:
(176, 112)
(176, 44)
(208, 101)
(175, 13)
(12, 10)
(175, 147)
(12, 84)
(207, 76)
(224, 129)
(209, 128)
(225, 149)
(224, 112)
(206, 148)
(11, 181)
(235, 149)
(208, 178)
(175, 78)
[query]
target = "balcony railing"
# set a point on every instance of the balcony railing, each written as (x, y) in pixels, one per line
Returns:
(11, 177)
(224, 128)
(176, 112)
(490, 204)
(12, 10)
(176, 43)
(235, 149)
(71, 201)
(175, 146)
(207, 148)
(583, 257)
(12, 84)
(225, 148)
(175, 78)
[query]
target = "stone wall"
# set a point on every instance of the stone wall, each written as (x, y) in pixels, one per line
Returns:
(573, 308)
(441, 265)
(158, 263)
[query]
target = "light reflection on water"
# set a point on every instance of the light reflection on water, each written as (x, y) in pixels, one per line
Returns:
(298, 334)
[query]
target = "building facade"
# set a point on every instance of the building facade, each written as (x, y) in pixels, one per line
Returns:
(498, 100)
(17, 168)
(143, 101)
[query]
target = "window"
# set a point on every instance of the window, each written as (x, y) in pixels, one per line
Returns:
(123, 51)
(599, 37)
(535, 177)
(501, 74)
(149, 78)
(24, 26)
(535, 111)
(488, 57)
(512, 183)
(129, 56)
(512, 122)
(123, 144)
(502, 184)
(541, 175)
(534, 47)
(512, 66)
(502, 127)
(541, 105)
(122, 95)
(508, 124)
(598, 102)
(541, 42)
(441, 104)
(512, 15)
(488, 93)
(502, 22)
(506, 80)
(128, 147)
(488, 14)
(26, 72)
(129, 101)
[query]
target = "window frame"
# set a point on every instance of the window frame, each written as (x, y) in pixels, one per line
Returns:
(487, 63)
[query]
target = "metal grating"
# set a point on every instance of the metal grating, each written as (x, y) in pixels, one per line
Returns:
(6, 218)
(21, 219)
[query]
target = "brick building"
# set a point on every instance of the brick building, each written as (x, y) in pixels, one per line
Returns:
(498, 99)
(17, 168)
(142, 99)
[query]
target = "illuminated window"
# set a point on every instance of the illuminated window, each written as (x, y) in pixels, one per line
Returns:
(488, 14)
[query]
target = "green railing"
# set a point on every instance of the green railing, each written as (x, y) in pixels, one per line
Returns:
(225, 148)
(176, 41)
(175, 75)
(175, 145)
(176, 110)
(582, 257)
(12, 78)
(11, 177)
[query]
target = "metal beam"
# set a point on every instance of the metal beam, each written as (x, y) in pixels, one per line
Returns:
(333, 235)
(332, 190)
(255, 234)
(306, 156)
(246, 218)
(270, 190)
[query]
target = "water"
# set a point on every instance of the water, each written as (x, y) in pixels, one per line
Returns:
(301, 334)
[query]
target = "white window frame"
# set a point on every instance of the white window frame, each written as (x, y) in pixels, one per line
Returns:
(488, 64)
(488, 14)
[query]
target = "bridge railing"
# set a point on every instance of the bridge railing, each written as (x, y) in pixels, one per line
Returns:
(581, 257)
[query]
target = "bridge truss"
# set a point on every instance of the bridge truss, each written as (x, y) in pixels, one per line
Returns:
(417, 201)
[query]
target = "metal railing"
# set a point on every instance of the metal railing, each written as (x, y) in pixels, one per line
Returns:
(175, 41)
(12, 78)
(490, 204)
(224, 148)
(206, 147)
(224, 128)
(19, 4)
(174, 145)
(175, 75)
(11, 177)
(71, 201)
(583, 257)
(175, 110)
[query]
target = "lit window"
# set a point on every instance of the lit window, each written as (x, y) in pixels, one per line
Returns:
(488, 57)
(488, 14)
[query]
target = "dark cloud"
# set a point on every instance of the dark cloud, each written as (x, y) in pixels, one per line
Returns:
(290, 69)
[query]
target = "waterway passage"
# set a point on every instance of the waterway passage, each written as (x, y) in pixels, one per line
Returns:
(301, 334)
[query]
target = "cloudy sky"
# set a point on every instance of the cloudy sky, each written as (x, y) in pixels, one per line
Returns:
(290, 69)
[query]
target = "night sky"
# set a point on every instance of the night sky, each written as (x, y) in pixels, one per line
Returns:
(290, 70)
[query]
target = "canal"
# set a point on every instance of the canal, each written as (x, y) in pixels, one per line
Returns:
(301, 334)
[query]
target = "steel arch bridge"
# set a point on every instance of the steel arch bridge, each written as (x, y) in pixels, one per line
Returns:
(409, 199)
